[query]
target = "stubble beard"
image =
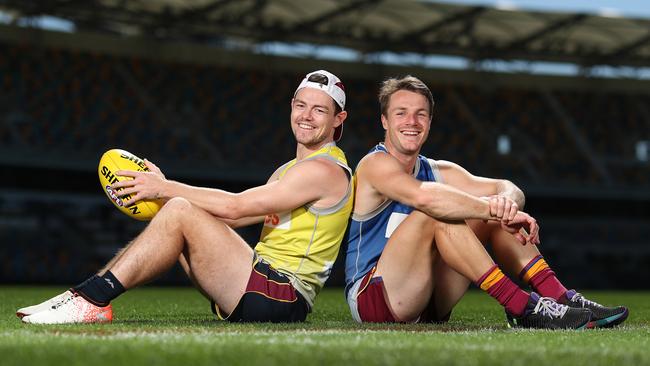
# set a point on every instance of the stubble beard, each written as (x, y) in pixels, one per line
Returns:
(310, 141)
(404, 147)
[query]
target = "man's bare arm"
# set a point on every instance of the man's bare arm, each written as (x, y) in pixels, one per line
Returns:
(308, 181)
(455, 175)
(252, 220)
(437, 200)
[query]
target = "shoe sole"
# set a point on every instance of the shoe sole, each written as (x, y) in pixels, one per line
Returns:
(610, 321)
(586, 325)
(583, 326)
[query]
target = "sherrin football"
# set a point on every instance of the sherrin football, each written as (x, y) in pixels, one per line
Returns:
(117, 159)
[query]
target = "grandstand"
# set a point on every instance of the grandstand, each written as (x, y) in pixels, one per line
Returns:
(218, 116)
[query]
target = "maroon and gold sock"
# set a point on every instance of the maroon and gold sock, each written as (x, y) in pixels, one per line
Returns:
(500, 287)
(541, 277)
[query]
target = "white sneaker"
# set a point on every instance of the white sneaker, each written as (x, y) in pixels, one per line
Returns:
(72, 309)
(45, 305)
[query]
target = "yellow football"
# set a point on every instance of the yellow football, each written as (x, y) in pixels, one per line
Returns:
(117, 159)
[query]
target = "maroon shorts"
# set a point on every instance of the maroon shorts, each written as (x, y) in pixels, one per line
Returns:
(269, 297)
(373, 306)
(371, 302)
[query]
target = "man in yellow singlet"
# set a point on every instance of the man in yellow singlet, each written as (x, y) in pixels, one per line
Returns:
(305, 207)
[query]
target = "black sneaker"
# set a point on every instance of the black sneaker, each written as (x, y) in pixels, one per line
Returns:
(602, 316)
(546, 313)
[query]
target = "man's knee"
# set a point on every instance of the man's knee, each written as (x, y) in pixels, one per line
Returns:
(483, 229)
(187, 216)
(176, 210)
(436, 225)
(177, 204)
(425, 221)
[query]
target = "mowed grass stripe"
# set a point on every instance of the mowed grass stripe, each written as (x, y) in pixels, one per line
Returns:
(370, 347)
(165, 326)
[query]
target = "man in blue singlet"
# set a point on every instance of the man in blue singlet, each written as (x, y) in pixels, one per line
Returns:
(415, 240)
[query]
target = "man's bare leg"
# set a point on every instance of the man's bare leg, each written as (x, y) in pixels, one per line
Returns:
(450, 286)
(219, 260)
(407, 263)
(511, 255)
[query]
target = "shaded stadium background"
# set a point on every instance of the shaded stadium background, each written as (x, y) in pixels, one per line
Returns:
(192, 86)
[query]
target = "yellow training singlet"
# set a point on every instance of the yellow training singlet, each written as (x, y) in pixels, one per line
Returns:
(304, 243)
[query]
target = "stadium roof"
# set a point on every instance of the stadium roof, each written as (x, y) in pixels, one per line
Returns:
(368, 26)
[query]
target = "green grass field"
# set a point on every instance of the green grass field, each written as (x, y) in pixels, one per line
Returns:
(163, 326)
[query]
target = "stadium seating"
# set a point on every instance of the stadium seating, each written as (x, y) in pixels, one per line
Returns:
(86, 102)
(59, 103)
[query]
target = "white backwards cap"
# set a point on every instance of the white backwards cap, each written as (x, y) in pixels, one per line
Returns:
(330, 84)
